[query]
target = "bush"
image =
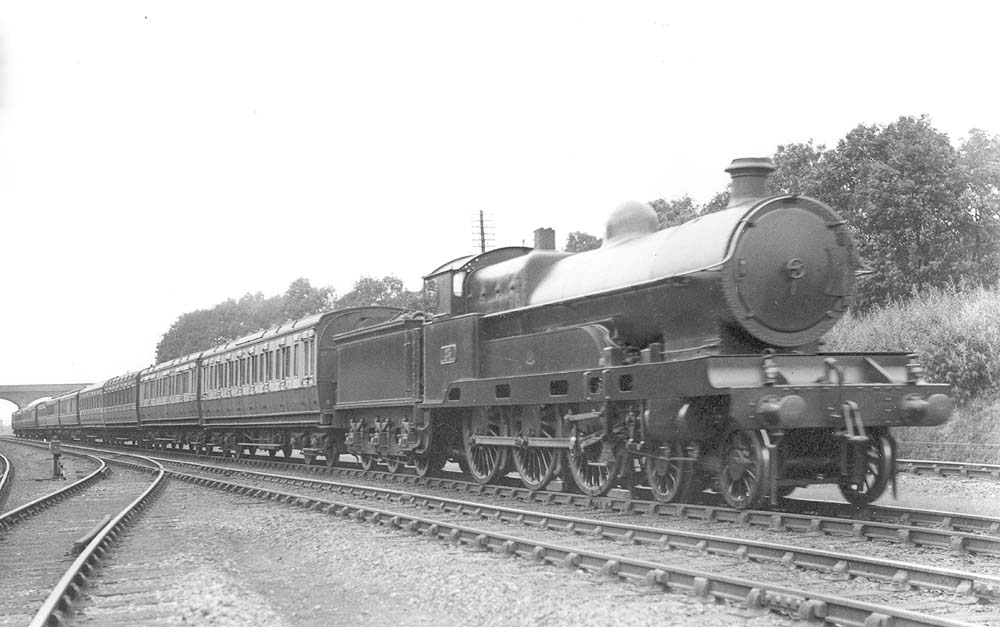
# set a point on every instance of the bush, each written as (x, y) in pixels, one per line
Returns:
(972, 435)
(956, 334)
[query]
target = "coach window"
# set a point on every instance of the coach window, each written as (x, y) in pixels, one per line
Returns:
(307, 368)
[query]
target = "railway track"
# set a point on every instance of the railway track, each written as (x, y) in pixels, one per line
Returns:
(950, 469)
(492, 532)
(977, 586)
(952, 531)
(6, 479)
(53, 543)
(640, 501)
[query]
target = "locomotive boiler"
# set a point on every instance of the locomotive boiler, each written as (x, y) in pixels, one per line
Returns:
(677, 359)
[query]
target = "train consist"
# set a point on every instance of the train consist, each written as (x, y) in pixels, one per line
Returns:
(679, 359)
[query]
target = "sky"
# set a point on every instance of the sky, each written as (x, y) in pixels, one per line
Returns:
(160, 157)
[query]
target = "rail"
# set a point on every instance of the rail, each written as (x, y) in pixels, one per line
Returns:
(15, 516)
(58, 604)
(975, 585)
(706, 585)
(6, 479)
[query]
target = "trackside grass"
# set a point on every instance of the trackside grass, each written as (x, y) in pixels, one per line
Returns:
(956, 333)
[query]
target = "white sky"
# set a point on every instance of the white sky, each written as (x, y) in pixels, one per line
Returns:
(159, 157)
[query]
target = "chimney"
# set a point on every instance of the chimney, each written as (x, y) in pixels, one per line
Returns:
(749, 179)
(545, 239)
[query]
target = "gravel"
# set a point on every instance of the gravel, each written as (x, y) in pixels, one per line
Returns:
(33, 473)
(221, 559)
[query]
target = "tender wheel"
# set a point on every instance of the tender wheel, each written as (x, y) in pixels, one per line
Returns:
(670, 480)
(309, 459)
(367, 462)
(286, 450)
(486, 463)
(428, 464)
(595, 469)
(273, 452)
(881, 460)
(332, 455)
(393, 465)
(741, 478)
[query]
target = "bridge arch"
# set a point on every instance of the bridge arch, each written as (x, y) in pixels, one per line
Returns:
(21, 395)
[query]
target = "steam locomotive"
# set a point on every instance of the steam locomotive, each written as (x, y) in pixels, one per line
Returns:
(679, 359)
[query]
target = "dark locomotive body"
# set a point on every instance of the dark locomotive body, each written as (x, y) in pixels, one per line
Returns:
(677, 359)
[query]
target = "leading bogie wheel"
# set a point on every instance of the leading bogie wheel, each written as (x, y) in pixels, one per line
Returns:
(880, 454)
(595, 469)
(670, 476)
(741, 479)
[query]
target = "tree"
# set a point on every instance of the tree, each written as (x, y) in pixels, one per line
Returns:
(801, 170)
(578, 242)
(302, 299)
(231, 319)
(899, 187)
(717, 203)
(388, 290)
(674, 212)
(979, 159)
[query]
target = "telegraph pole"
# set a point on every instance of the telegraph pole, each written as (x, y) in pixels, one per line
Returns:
(482, 231)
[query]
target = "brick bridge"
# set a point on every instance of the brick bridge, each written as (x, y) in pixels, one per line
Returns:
(21, 395)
